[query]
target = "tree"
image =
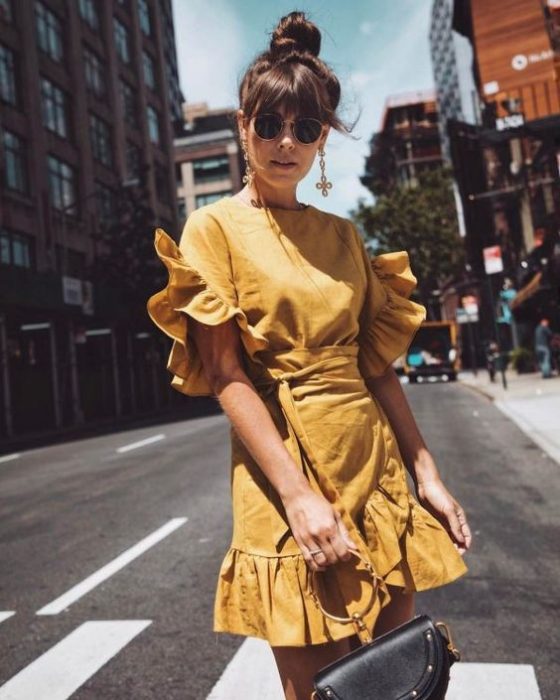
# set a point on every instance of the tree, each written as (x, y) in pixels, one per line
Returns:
(126, 270)
(421, 220)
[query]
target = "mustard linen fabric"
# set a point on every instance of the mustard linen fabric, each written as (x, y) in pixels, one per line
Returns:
(316, 318)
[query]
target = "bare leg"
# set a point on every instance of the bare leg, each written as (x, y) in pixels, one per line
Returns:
(399, 611)
(298, 665)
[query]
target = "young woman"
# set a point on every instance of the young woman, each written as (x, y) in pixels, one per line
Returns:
(276, 309)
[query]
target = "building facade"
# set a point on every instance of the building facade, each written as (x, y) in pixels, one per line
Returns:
(208, 161)
(89, 95)
(506, 159)
(408, 141)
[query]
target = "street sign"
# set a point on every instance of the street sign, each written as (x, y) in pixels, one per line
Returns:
(463, 316)
(493, 260)
(511, 121)
(470, 304)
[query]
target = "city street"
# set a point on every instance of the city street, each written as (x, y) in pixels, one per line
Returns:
(110, 549)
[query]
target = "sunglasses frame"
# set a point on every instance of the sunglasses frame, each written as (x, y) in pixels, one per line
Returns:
(283, 122)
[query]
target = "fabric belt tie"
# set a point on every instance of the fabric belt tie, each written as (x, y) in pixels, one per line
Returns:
(280, 385)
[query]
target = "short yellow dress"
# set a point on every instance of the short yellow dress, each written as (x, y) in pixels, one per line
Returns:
(317, 318)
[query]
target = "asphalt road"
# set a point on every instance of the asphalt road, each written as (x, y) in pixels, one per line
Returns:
(69, 510)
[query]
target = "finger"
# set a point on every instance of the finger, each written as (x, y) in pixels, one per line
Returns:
(455, 526)
(344, 533)
(306, 549)
(328, 552)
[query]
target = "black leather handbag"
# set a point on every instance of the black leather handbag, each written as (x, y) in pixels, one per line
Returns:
(411, 662)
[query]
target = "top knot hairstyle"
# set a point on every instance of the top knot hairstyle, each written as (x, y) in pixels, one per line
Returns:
(291, 74)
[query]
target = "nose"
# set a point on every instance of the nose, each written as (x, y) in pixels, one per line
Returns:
(286, 137)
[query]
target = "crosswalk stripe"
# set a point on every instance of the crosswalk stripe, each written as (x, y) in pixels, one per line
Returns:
(61, 670)
(88, 584)
(5, 614)
(252, 675)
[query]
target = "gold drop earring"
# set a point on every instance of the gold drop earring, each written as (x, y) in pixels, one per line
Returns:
(249, 172)
(324, 185)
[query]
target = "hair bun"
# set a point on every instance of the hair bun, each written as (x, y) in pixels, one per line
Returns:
(295, 33)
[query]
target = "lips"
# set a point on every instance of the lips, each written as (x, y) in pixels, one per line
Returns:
(284, 163)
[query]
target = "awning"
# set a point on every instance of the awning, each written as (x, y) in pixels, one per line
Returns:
(527, 291)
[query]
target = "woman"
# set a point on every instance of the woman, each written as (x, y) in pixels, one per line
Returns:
(276, 310)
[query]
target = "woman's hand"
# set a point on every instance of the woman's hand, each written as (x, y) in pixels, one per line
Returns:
(316, 525)
(437, 500)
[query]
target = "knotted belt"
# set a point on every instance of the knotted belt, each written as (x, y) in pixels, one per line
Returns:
(279, 383)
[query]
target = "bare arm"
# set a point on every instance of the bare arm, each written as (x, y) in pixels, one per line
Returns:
(430, 489)
(313, 521)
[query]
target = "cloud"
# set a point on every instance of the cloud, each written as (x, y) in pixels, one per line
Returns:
(210, 50)
(368, 28)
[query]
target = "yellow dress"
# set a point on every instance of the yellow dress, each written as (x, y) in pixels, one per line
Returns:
(317, 317)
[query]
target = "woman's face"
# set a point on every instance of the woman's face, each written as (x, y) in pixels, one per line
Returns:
(283, 161)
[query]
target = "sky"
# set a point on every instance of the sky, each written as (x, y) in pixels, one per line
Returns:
(376, 47)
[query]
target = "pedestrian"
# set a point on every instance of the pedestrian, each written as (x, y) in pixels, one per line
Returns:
(543, 338)
(276, 309)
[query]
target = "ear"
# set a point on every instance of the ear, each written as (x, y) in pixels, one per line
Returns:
(242, 124)
(325, 135)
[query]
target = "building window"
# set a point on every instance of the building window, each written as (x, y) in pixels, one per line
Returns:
(15, 249)
(62, 185)
(15, 165)
(94, 72)
(144, 16)
(130, 108)
(49, 32)
(211, 169)
(133, 161)
(203, 199)
(89, 12)
(55, 108)
(7, 76)
(106, 203)
(149, 71)
(6, 14)
(100, 136)
(121, 41)
(153, 125)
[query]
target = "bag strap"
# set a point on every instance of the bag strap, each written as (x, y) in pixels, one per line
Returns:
(357, 618)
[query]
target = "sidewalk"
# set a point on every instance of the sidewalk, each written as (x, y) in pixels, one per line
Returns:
(531, 402)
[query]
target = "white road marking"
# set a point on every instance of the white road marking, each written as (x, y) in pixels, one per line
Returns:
(141, 443)
(61, 670)
(493, 682)
(6, 614)
(252, 675)
(88, 584)
(9, 458)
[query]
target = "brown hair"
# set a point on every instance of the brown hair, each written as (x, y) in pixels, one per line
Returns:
(291, 74)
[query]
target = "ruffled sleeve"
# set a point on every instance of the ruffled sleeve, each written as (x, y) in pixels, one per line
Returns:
(200, 287)
(389, 319)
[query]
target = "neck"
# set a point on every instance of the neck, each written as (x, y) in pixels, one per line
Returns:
(268, 196)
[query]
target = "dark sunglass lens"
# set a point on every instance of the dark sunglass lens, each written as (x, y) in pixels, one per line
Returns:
(307, 130)
(268, 126)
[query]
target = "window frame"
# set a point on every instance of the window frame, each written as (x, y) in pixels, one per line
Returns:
(16, 155)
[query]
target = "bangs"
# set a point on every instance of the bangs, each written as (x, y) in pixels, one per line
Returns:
(292, 87)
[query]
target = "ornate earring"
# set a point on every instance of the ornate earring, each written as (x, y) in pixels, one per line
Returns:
(324, 185)
(249, 172)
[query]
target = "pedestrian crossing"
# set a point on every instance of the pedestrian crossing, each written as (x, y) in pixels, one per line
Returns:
(65, 667)
(252, 675)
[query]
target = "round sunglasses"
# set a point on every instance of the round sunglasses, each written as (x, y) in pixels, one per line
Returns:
(306, 130)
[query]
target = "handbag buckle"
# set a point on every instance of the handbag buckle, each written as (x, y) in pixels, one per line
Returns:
(450, 645)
